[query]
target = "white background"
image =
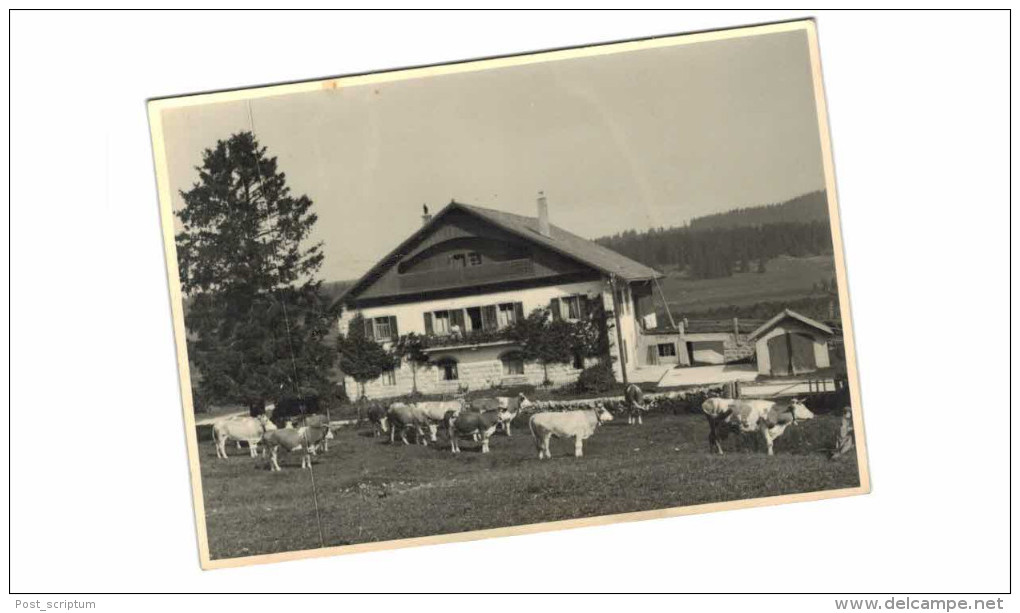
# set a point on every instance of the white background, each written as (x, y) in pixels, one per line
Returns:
(100, 495)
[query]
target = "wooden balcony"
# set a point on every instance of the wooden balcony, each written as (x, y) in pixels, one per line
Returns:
(467, 276)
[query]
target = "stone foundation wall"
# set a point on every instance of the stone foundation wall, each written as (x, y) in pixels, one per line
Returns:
(474, 375)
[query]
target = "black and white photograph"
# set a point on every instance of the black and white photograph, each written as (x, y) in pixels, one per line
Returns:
(510, 294)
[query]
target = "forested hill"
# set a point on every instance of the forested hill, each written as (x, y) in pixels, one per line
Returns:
(705, 250)
(806, 208)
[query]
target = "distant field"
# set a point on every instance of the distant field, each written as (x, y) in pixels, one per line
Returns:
(371, 491)
(785, 278)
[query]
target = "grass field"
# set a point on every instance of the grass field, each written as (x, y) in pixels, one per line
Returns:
(371, 491)
(785, 278)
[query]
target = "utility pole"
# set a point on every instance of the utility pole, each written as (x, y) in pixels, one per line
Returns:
(619, 332)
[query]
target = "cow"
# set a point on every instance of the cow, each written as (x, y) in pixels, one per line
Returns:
(513, 408)
(434, 412)
(304, 439)
(241, 428)
(579, 425)
(765, 416)
(476, 424)
(401, 416)
(316, 419)
(377, 416)
(635, 403)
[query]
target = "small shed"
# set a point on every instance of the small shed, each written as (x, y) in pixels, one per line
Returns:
(791, 344)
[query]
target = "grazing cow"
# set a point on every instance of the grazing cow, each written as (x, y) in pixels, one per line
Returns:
(304, 439)
(765, 416)
(377, 416)
(316, 419)
(635, 403)
(434, 412)
(402, 416)
(241, 428)
(512, 406)
(467, 423)
(579, 425)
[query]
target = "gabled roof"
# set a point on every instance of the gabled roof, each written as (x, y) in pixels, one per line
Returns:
(565, 243)
(787, 313)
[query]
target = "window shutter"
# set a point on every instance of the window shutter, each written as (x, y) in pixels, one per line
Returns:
(653, 355)
(554, 308)
(582, 306)
(428, 324)
(519, 311)
(369, 329)
(393, 327)
(489, 321)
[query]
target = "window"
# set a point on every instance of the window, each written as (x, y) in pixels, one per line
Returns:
(382, 329)
(441, 322)
(507, 313)
(513, 364)
(389, 377)
(667, 350)
(447, 369)
(573, 307)
(474, 258)
(458, 260)
(474, 318)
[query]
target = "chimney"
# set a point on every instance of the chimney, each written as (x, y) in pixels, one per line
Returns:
(543, 215)
(426, 217)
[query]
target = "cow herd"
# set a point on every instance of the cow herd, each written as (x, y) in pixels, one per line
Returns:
(480, 418)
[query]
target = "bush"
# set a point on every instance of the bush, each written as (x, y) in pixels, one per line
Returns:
(596, 379)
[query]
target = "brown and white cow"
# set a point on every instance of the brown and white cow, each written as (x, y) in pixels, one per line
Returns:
(635, 403)
(302, 439)
(769, 418)
(434, 412)
(241, 428)
(401, 416)
(377, 417)
(316, 419)
(478, 425)
(577, 424)
(512, 406)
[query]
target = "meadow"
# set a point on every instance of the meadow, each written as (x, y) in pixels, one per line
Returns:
(369, 490)
(785, 278)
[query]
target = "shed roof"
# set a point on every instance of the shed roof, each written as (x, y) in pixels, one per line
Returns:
(788, 314)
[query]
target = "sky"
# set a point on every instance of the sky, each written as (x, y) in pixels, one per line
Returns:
(632, 140)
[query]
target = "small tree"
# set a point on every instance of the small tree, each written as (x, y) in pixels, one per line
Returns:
(411, 347)
(361, 358)
(543, 341)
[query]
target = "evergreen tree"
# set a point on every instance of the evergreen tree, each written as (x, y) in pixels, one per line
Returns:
(255, 315)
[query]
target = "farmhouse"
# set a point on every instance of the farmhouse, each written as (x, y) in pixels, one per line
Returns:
(469, 273)
(791, 344)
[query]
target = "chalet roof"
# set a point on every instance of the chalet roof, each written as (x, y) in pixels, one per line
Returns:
(561, 241)
(788, 314)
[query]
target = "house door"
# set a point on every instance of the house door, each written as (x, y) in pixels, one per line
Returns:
(779, 355)
(802, 353)
(791, 354)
